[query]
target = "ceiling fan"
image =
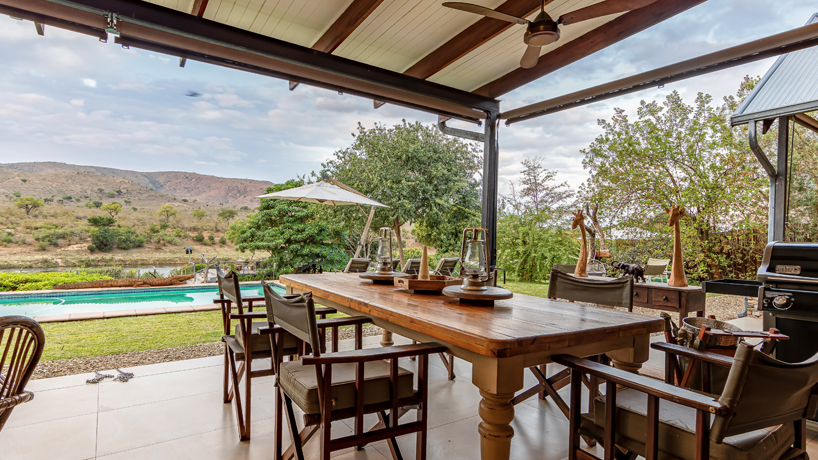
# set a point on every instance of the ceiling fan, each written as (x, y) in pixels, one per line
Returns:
(543, 30)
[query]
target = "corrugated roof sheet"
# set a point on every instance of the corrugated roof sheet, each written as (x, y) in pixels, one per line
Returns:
(789, 87)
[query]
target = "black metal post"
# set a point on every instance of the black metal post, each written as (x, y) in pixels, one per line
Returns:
(780, 211)
(491, 169)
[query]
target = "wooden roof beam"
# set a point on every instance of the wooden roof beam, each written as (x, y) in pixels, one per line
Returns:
(343, 27)
(198, 8)
(613, 32)
(473, 36)
(806, 121)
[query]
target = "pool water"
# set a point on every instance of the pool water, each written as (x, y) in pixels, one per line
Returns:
(59, 303)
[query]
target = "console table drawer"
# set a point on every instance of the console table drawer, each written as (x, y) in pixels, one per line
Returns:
(666, 298)
(641, 296)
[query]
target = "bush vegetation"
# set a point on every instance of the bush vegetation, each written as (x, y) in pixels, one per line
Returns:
(42, 281)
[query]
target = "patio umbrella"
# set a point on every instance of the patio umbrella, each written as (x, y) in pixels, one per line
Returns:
(332, 194)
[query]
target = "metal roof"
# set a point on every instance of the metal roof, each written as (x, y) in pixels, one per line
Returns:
(789, 87)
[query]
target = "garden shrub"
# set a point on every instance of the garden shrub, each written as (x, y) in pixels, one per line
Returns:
(127, 238)
(199, 237)
(104, 238)
(45, 280)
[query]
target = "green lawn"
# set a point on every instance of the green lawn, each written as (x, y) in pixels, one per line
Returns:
(535, 288)
(81, 339)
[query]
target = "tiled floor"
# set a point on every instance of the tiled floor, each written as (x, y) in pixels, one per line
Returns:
(174, 411)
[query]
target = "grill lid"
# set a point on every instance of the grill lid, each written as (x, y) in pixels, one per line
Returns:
(791, 263)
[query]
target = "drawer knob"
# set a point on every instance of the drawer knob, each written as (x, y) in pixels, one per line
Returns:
(636, 294)
(664, 297)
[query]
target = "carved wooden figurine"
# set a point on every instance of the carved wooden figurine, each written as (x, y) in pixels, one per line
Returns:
(677, 274)
(582, 263)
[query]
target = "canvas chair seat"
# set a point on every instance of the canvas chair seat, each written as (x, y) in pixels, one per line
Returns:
(677, 431)
(300, 383)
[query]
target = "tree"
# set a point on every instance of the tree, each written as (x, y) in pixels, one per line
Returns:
(199, 214)
(29, 203)
(425, 177)
(685, 155)
(112, 208)
(290, 232)
(227, 214)
(101, 221)
(537, 190)
(24, 180)
(167, 211)
(97, 204)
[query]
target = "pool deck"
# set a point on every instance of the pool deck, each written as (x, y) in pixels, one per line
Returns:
(126, 313)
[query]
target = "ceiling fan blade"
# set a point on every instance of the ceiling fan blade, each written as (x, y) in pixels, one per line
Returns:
(602, 9)
(530, 57)
(477, 9)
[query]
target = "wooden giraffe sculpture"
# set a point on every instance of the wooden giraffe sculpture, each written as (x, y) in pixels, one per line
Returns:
(582, 264)
(677, 274)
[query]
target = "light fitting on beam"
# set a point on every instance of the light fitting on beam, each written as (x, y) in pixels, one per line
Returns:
(40, 28)
(293, 85)
(378, 104)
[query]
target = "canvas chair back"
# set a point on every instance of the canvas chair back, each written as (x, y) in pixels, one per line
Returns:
(21, 346)
(446, 266)
(229, 287)
(656, 267)
(763, 392)
(359, 265)
(295, 315)
(412, 266)
(613, 293)
(564, 268)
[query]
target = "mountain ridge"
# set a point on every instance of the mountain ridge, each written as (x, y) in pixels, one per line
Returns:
(179, 184)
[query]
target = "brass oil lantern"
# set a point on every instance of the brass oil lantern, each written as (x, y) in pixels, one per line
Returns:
(473, 259)
(384, 256)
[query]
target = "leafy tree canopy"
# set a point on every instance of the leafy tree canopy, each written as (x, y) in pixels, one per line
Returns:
(227, 214)
(678, 154)
(199, 214)
(101, 221)
(290, 232)
(167, 211)
(29, 203)
(425, 177)
(112, 208)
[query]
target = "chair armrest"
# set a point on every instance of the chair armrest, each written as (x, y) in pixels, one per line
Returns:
(644, 384)
(325, 311)
(253, 315)
(375, 354)
(16, 400)
(687, 352)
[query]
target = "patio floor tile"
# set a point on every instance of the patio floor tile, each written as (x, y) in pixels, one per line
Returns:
(65, 439)
(55, 404)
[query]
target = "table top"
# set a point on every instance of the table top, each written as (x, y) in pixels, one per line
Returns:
(653, 284)
(520, 325)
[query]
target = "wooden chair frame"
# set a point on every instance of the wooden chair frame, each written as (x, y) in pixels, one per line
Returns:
(234, 372)
(21, 346)
(704, 404)
(388, 426)
(447, 266)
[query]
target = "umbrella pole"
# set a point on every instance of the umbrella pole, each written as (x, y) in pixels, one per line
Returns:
(366, 230)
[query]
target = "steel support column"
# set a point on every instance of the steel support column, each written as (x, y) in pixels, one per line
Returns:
(780, 211)
(491, 169)
(752, 137)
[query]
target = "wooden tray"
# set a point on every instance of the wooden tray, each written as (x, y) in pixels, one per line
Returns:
(482, 298)
(434, 285)
(378, 278)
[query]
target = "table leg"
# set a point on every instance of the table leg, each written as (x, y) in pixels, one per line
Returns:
(386, 339)
(631, 359)
(496, 432)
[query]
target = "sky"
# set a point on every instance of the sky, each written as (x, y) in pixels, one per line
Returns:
(70, 98)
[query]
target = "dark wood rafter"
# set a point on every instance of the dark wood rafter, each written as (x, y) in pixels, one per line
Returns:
(198, 8)
(343, 27)
(475, 35)
(593, 41)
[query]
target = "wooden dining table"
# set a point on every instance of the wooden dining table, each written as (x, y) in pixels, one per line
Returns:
(499, 341)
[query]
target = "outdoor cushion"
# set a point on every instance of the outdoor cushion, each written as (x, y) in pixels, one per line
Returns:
(677, 431)
(300, 383)
(262, 342)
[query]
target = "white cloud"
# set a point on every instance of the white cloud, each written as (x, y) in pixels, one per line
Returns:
(77, 102)
(91, 83)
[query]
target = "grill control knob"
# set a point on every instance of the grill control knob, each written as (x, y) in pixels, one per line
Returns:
(782, 302)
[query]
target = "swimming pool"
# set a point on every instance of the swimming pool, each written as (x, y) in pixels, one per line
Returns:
(62, 303)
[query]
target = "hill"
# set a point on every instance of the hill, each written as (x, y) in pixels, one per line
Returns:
(45, 179)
